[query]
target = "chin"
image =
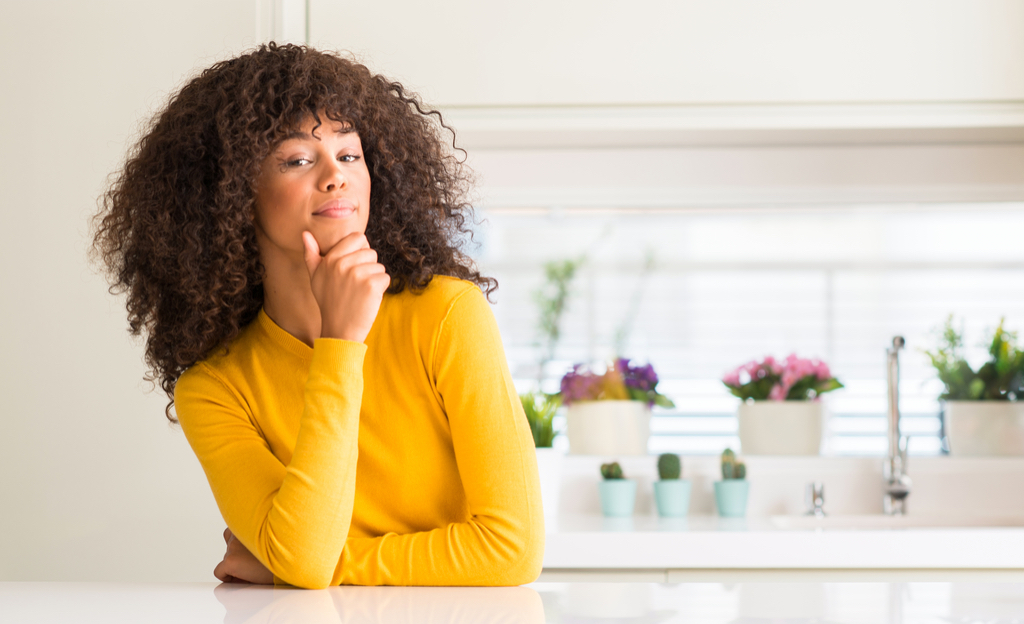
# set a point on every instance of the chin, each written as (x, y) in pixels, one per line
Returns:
(328, 237)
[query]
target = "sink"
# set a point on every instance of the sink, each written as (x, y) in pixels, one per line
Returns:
(879, 521)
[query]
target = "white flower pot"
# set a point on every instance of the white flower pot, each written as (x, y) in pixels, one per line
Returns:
(781, 427)
(549, 465)
(608, 427)
(980, 428)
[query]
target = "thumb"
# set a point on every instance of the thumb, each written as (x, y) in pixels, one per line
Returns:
(311, 252)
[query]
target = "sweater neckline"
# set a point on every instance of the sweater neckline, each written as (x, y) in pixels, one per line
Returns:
(282, 338)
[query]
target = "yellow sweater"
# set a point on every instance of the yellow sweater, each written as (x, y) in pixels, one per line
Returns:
(404, 461)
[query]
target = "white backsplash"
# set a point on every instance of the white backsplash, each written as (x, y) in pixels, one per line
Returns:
(853, 485)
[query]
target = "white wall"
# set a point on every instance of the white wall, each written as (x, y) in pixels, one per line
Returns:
(94, 485)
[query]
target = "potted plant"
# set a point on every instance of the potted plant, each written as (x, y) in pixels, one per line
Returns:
(983, 411)
(671, 492)
(609, 412)
(552, 300)
(781, 413)
(731, 492)
(540, 411)
(618, 494)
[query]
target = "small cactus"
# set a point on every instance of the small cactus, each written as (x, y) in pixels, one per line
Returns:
(669, 466)
(731, 468)
(611, 471)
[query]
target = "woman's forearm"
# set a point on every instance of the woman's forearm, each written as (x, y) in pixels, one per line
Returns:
(293, 518)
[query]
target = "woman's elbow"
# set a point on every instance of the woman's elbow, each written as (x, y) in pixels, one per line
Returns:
(525, 563)
(306, 572)
(306, 579)
(301, 563)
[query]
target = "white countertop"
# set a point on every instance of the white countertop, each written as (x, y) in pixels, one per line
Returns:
(697, 603)
(590, 541)
(965, 513)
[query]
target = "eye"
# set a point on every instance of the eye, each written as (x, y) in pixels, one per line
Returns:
(297, 162)
(348, 158)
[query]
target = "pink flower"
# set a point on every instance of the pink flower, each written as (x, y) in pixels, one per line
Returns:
(790, 377)
(799, 367)
(781, 375)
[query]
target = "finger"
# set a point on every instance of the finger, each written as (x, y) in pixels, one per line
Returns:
(357, 258)
(365, 271)
(350, 243)
(221, 573)
(311, 252)
(381, 281)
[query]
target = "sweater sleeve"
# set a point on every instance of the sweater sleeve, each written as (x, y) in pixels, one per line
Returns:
(293, 518)
(502, 542)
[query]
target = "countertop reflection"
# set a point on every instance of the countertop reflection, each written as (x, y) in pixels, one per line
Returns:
(373, 605)
(568, 603)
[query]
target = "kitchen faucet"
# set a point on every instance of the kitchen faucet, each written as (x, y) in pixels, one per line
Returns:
(897, 483)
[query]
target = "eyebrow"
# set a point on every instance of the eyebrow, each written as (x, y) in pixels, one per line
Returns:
(299, 134)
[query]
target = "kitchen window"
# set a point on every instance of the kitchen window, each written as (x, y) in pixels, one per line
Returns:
(700, 291)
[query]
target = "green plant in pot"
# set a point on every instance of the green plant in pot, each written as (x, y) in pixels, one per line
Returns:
(671, 491)
(552, 300)
(540, 411)
(998, 379)
(731, 492)
(983, 407)
(618, 494)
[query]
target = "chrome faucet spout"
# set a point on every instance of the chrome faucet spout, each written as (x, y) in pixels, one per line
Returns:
(897, 483)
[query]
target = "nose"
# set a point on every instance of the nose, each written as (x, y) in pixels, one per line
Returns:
(333, 177)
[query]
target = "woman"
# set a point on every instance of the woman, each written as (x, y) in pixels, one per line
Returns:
(287, 232)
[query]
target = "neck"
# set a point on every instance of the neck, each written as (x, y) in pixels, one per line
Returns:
(287, 297)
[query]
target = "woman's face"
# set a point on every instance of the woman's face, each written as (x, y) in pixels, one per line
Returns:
(312, 182)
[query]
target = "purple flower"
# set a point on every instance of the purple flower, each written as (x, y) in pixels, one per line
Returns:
(640, 377)
(620, 381)
(579, 384)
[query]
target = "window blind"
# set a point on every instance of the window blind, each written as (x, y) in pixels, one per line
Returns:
(698, 293)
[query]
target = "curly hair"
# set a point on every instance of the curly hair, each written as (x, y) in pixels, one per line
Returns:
(176, 227)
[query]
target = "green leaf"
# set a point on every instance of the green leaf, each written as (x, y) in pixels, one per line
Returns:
(636, 394)
(976, 389)
(663, 401)
(828, 385)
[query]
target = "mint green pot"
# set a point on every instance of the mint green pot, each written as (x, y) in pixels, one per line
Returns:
(731, 497)
(618, 497)
(672, 497)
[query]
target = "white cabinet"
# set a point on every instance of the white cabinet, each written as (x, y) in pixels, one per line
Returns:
(918, 81)
(664, 52)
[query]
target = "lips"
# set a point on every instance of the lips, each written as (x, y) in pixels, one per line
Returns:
(336, 209)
